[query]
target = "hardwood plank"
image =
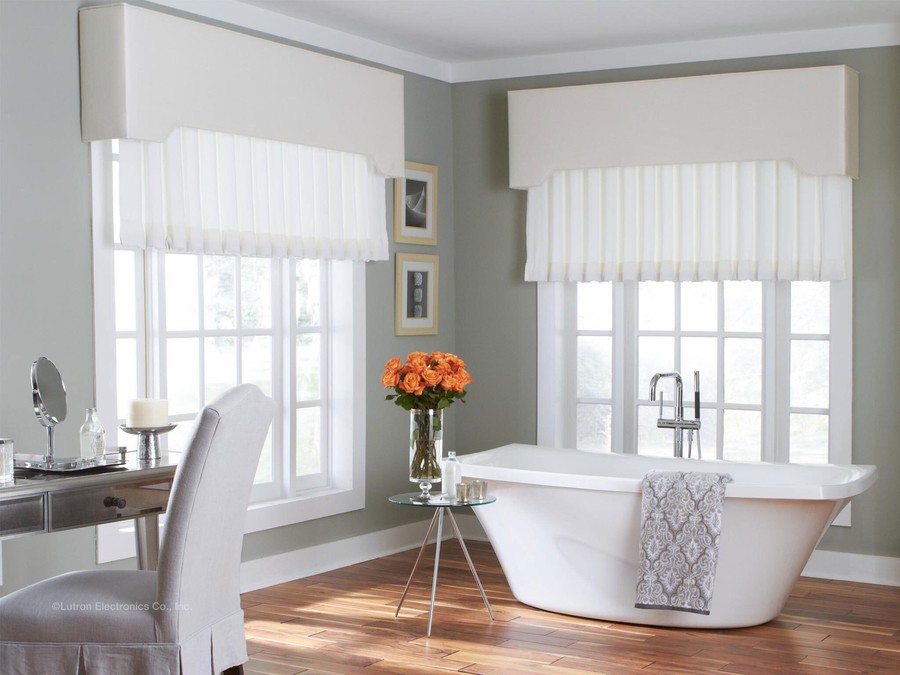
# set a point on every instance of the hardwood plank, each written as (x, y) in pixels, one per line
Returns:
(343, 622)
(262, 665)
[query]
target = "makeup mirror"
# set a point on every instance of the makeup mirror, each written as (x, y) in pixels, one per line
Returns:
(49, 395)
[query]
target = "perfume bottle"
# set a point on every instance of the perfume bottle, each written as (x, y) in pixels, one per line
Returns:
(93, 436)
(452, 474)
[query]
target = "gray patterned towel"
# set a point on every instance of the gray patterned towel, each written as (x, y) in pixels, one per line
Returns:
(681, 516)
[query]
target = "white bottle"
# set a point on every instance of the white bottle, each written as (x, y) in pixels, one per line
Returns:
(93, 436)
(7, 460)
(451, 474)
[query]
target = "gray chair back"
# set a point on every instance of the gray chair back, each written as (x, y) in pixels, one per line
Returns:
(200, 553)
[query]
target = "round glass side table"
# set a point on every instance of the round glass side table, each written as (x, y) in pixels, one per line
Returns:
(441, 505)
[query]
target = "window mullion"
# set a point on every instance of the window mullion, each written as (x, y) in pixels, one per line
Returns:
(155, 324)
(284, 388)
(777, 375)
(326, 353)
(143, 345)
(201, 322)
(625, 409)
(238, 320)
(720, 374)
(676, 333)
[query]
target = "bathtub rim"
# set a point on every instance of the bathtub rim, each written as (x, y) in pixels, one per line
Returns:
(857, 478)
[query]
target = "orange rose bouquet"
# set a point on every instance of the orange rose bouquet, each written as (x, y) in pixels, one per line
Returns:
(426, 381)
(426, 384)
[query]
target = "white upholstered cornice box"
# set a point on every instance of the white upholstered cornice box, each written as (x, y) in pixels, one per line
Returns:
(806, 115)
(145, 73)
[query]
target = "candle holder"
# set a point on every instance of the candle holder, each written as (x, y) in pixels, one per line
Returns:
(148, 442)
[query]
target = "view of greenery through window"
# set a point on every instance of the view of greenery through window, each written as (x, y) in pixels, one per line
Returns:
(719, 329)
(213, 326)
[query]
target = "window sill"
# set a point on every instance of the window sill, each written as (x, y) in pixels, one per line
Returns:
(309, 506)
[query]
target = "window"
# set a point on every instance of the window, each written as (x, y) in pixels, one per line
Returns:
(773, 358)
(187, 326)
(215, 327)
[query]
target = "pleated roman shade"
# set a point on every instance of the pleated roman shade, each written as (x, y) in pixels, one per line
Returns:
(726, 177)
(690, 222)
(210, 192)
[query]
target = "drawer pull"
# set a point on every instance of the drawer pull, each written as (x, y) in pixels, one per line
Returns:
(118, 502)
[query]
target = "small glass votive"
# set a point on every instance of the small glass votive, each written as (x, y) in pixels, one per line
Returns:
(478, 491)
(463, 492)
(7, 464)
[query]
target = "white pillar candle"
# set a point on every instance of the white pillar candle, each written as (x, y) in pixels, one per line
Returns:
(147, 413)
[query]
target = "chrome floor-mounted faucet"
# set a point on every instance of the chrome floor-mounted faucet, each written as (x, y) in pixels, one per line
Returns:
(678, 423)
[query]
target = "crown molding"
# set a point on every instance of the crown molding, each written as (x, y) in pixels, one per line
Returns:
(770, 44)
(306, 33)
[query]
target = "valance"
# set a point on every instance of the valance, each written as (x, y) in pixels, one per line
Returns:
(211, 192)
(146, 73)
(695, 222)
(743, 176)
(806, 115)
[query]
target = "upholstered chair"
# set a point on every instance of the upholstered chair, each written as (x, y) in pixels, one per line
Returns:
(185, 618)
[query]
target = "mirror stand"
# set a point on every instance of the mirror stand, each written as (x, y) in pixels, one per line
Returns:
(48, 458)
(49, 396)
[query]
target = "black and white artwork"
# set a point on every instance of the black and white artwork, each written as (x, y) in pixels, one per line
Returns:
(416, 201)
(416, 298)
(415, 205)
(416, 310)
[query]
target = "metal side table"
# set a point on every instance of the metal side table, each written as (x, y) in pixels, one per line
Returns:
(441, 505)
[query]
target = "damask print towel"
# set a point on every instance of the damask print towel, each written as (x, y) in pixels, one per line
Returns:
(681, 517)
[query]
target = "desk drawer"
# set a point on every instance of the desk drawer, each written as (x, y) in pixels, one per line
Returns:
(94, 506)
(22, 515)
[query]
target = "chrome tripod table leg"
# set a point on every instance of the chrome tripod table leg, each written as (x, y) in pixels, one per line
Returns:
(437, 562)
(418, 560)
(465, 551)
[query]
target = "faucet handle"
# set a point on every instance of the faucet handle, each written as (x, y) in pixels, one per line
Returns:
(696, 394)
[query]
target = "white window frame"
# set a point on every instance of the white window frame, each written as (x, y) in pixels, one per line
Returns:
(345, 426)
(557, 370)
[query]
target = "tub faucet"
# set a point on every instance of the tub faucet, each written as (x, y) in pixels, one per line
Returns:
(678, 424)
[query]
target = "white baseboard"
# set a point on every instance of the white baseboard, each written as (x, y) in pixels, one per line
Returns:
(306, 562)
(868, 569)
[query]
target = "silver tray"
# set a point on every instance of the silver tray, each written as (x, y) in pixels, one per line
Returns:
(69, 464)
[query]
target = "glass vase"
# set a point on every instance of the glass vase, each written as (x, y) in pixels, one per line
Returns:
(425, 431)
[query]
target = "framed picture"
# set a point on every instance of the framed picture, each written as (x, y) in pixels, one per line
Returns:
(416, 295)
(415, 205)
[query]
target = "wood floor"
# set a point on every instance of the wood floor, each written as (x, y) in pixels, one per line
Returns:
(343, 622)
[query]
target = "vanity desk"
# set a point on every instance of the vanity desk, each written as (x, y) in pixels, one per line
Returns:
(40, 502)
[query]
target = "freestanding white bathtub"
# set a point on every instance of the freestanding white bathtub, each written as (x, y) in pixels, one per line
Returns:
(566, 524)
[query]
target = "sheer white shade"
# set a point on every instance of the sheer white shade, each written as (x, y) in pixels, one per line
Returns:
(692, 222)
(205, 191)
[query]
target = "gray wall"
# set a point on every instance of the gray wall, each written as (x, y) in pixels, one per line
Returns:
(496, 310)
(45, 248)
(487, 311)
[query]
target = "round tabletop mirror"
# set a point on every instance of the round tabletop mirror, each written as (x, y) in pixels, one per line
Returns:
(48, 391)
